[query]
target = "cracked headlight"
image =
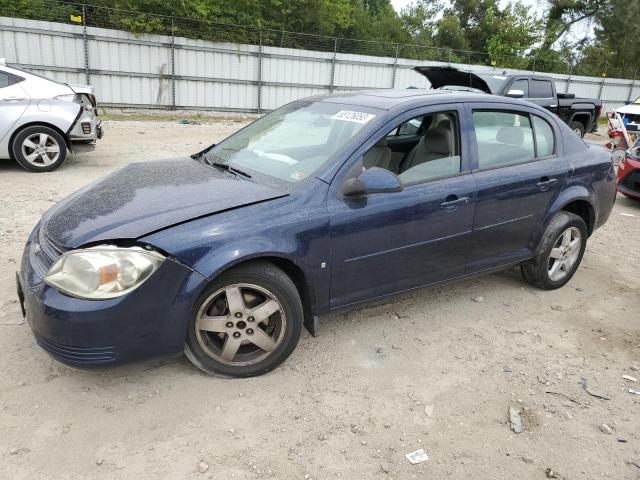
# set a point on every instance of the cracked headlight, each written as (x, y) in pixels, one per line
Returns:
(102, 272)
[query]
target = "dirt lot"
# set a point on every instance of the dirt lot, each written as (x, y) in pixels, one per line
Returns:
(350, 403)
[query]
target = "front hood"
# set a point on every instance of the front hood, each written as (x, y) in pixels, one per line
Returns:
(442, 76)
(632, 109)
(146, 197)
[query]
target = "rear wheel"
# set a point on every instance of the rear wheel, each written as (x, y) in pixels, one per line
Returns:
(248, 322)
(560, 252)
(39, 149)
(578, 128)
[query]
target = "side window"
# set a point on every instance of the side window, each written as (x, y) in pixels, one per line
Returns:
(434, 154)
(504, 138)
(544, 137)
(411, 127)
(4, 80)
(541, 89)
(522, 84)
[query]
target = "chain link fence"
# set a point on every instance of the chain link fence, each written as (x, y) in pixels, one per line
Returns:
(140, 22)
(135, 59)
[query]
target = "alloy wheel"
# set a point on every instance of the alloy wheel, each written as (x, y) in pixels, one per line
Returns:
(564, 254)
(240, 324)
(40, 149)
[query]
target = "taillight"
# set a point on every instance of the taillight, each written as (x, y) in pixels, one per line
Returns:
(598, 112)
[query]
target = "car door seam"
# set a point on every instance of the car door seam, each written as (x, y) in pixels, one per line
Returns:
(426, 242)
(504, 223)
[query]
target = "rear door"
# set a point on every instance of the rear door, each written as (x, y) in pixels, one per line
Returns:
(13, 102)
(518, 174)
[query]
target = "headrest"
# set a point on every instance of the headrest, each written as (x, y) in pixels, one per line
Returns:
(437, 140)
(510, 135)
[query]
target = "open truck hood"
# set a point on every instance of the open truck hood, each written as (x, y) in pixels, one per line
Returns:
(147, 197)
(442, 76)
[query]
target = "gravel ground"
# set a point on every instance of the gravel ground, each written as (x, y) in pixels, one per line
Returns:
(436, 369)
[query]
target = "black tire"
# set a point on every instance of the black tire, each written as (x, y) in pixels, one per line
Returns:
(578, 128)
(35, 166)
(264, 275)
(536, 270)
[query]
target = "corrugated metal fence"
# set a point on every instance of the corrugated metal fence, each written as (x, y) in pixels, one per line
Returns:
(157, 71)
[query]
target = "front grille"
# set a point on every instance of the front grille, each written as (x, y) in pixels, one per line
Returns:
(43, 253)
(631, 181)
(78, 355)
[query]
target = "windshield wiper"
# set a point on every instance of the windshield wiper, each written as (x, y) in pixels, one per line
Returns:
(228, 168)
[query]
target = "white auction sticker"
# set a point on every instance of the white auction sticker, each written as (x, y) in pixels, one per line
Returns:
(351, 116)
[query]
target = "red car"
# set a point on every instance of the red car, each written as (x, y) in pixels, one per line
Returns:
(628, 175)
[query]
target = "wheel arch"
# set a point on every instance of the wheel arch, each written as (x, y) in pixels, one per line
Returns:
(576, 199)
(583, 117)
(584, 210)
(35, 124)
(294, 271)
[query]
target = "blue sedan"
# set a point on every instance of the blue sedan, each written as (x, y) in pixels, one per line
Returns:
(323, 204)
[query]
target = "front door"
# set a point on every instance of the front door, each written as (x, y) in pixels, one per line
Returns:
(383, 243)
(517, 175)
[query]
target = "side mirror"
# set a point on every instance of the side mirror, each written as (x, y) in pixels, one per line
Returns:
(372, 180)
(514, 93)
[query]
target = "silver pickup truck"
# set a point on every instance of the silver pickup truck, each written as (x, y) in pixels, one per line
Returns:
(40, 119)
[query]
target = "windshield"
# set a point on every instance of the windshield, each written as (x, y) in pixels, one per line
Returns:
(494, 82)
(293, 142)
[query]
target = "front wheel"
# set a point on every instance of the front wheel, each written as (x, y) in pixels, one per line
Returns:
(560, 252)
(247, 322)
(39, 149)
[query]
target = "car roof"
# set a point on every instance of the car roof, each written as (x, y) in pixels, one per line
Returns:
(388, 99)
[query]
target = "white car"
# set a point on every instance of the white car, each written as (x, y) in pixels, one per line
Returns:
(40, 119)
(631, 112)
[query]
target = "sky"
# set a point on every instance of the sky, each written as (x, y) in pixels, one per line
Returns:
(399, 4)
(578, 31)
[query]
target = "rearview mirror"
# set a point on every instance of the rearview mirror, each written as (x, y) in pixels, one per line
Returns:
(372, 180)
(514, 93)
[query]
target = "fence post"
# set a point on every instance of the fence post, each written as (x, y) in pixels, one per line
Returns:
(533, 68)
(450, 51)
(260, 72)
(632, 86)
(604, 78)
(395, 67)
(85, 43)
(173, 67)
(566, 89)
(333, 63)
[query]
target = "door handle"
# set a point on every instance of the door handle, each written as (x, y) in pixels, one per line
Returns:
(13, 99)
(452, 202)
(546, 182)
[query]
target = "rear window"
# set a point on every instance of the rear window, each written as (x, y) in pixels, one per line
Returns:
(541, 89)
(504, 138)
(544, 137)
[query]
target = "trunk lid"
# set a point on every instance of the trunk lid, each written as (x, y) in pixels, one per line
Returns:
(443, 76)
